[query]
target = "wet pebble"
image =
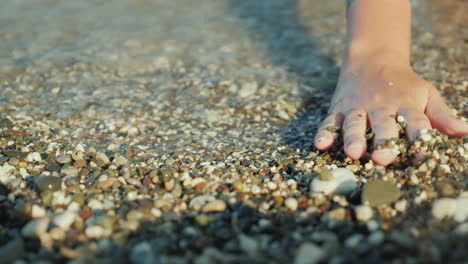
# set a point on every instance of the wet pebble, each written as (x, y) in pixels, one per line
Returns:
(48, 183)
(64, 159)
(380, 192)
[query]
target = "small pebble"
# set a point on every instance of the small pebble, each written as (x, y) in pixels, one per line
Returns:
(48, 183)
(291, 203)
(379, 192)
(64, 159)
(214, 206)
(364, 213)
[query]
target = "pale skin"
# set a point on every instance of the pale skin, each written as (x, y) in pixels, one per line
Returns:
(377, 83)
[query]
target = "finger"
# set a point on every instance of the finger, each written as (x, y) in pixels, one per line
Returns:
(442, 118)
(385, 128)
(354, 129)
(415, 121)
(324, 138)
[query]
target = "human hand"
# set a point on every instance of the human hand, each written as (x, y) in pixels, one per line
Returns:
(371, 95)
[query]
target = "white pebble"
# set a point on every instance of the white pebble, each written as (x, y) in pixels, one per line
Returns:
(291, 204)
(156, 212)
(37, 211)
(64, 220)
(198, 202)
(35, 156)
(444, 207)
(36, 227)
(364, 213)
(95, 204)
(272, 186)
(94, 231)
(131, 196)
(132, 131)
(248, 89)
(401, 206)
(343, 182)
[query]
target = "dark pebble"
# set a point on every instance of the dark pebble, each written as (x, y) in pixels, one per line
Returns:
(14, 153)
(48, 183)
(52, 167)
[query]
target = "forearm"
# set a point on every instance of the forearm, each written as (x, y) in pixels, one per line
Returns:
(379, 29)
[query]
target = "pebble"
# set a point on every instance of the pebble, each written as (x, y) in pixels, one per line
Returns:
(214, 206)
(248, 89)
(198, 202)
(64, 159)
(36, 227)
(64, 220)
(132, 131)
(291, 203)
(142, 253)
(343, 181)
(102, 159)
(37, 211)
(94, 231)
(131, 196)
(12, 153)
(401, 206)
(48, 183)
(35, 156)
(272, 186)
(380, 192)
(12, 251)
(338, 214)
(309, 253)
(444, 207)
(364, 213)
(53, 167)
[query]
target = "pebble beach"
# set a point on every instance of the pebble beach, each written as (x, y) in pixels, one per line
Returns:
(182, 132)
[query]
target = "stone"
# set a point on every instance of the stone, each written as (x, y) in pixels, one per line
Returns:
(12, 251)
(380, 192)
(64, 220)
(94, 231)
(291, 204)
(461, 213)
(198, 202)
(35, 156)
(48, 183)
(214, 206)
(37, 211)
(444, 207)
(53, 167)
(102, 159)
(248, 89)
(338, 214)
(142, 253)
(341, 181)
(401, 206)
(248, 244)
(36, 227)
(64, 159)
(309, 253)
(364, 213)
(12, 153)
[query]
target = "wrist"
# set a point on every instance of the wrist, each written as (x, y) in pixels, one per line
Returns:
(357, 55)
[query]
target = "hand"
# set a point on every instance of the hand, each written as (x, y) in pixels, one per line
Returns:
(370, 95)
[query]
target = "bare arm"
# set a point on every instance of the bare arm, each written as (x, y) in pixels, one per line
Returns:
(377, 82)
